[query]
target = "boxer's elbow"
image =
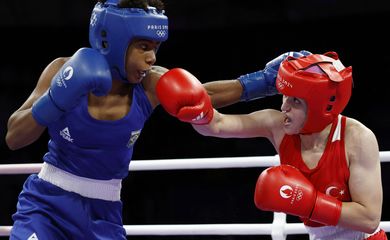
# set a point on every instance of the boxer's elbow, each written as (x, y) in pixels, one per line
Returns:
(16, 140)
(371, 224)
(359, 217)
(11, 142)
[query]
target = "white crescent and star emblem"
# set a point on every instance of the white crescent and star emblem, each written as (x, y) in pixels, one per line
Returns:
(329, 189)
(334, 192)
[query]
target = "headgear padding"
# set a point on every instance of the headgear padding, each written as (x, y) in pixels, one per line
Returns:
(112, 29)
(322, 81)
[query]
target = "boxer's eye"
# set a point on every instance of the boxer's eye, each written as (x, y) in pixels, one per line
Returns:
(144, 47)
(297, 101)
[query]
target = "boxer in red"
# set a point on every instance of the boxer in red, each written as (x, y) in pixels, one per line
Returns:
(330, 173)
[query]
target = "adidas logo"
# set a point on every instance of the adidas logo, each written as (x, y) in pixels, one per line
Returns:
(199, 117)
(66, 134)
(33, 237)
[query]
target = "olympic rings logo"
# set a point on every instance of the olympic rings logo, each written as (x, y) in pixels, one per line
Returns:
(161, 33)
(286, 192)
(93, 19)
(299, 195)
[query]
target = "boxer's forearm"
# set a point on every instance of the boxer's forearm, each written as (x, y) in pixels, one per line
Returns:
(22, 129)
(224, 93)
(359, 217)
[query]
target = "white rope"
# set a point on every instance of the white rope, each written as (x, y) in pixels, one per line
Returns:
(5, 230)
(176, 164)
(166, 164)
(222, 229)
(209, 229)
(200, 229)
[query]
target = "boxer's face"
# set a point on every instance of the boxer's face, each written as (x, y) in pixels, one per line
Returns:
(294, 110)
(140, 56)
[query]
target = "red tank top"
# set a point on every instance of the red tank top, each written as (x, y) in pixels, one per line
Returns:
(331, 174)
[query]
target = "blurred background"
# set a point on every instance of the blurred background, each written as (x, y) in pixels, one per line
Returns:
(215, 40)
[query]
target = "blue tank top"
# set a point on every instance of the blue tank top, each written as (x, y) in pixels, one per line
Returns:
(98, 149)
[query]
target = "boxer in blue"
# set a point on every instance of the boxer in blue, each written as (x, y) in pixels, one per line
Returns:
(94, 105)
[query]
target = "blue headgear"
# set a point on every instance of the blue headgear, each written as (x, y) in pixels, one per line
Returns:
(112, 29)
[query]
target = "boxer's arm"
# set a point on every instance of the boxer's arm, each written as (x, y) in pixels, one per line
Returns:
(150, 82)
(183, 96)
(22, 129)
(224, 92)
(365, 186)
(263, 123)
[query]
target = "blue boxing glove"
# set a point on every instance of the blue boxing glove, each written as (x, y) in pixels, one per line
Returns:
(262, 83)
(86, 71)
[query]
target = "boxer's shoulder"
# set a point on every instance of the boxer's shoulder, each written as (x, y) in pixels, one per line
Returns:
(358, 137)
(356, 131)
(158, 70)
(150, 81)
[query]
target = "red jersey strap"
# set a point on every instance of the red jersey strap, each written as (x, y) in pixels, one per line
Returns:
(338, 129)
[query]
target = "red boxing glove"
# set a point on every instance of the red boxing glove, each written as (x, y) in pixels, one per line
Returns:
(284, 189)
(183, 96)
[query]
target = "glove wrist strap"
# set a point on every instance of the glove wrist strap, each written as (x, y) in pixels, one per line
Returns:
(327, 210)
(45, 111)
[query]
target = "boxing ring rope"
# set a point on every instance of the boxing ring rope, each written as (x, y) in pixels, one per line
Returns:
(278, 229)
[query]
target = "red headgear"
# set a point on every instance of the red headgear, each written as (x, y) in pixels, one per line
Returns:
(322, 81)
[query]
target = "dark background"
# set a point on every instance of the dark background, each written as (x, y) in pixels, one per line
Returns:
(213, 39)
